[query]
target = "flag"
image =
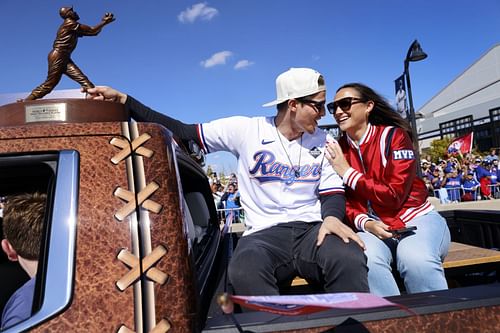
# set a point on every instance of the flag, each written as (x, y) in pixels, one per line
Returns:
(400, 90)
(305, 304)
(462, 144)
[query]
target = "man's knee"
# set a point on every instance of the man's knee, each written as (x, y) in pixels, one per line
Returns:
(348, 256)
(246, 263)
(345, 268)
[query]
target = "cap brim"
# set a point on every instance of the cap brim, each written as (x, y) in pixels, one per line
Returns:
(275, 102)
(303, 94)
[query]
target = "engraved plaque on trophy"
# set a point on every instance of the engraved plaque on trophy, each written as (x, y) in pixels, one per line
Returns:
(45, 112)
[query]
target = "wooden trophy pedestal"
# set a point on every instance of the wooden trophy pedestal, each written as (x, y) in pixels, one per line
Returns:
(61, 111)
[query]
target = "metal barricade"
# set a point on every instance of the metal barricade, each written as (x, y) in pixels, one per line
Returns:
(231, 217)
(460, 194)
(494, 190)
(456, 194)
(470, 194)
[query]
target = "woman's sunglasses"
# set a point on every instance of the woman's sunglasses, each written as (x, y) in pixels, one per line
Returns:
(344, 104)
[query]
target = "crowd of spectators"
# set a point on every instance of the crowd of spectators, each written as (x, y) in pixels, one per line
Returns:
(453, 179)
(226, 197)
(462, 178)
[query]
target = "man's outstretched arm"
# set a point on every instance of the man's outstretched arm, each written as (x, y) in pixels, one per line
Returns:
(140, 112)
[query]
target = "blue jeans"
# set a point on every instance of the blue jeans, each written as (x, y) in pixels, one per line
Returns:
(266, 259)
(419, 256)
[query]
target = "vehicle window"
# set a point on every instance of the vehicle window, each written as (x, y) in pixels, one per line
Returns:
(203, 230)
(199, 201)
(55, 176)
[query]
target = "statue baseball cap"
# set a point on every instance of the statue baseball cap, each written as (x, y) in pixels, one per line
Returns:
(296, 83)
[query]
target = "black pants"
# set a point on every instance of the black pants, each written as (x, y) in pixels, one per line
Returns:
(264, 259)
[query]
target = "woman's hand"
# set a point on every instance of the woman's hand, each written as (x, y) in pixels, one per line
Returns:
(378, 228)
(335, 156)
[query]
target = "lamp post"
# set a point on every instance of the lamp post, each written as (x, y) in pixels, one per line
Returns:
(415, 53)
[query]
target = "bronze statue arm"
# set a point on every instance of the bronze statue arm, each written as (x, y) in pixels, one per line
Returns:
(85, 30)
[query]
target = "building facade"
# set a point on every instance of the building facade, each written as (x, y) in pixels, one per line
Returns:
(471, 102)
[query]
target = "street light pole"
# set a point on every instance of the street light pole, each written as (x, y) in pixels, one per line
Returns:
(415, 53)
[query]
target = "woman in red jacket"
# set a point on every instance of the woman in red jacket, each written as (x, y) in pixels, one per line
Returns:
(376, 160)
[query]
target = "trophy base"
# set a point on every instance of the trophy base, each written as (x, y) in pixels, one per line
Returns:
(65, 110)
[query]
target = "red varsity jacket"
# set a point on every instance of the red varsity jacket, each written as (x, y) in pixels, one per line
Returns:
(382, 179)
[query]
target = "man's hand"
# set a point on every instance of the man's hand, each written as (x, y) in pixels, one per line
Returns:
(108, 18)
(332, 225)
(108, 94)
(378, 228)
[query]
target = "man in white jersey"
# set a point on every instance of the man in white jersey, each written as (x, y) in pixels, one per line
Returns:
(293, 200)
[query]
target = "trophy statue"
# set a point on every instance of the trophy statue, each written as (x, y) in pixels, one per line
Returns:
(59, 58)
(34, 110)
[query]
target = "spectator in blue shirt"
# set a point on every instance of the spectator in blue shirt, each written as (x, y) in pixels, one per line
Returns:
(231, 200)
(436, 180)
(473, 167)
(470, 186)
(22, 227)
(426, 168)
(452, 182)
(492, 156)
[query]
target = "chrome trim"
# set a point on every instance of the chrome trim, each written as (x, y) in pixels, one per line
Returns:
(60, 263)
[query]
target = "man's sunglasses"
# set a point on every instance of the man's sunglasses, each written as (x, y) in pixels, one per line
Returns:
(317, 105)
(344, 104)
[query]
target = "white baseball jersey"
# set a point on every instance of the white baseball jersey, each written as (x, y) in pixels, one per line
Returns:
(270, 191)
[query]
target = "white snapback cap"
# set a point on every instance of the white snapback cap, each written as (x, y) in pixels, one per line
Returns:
(295, 83)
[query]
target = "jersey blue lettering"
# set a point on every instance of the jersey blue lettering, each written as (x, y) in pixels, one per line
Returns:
(267, 169)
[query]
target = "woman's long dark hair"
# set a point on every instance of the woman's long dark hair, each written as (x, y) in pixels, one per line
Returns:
(383, 113)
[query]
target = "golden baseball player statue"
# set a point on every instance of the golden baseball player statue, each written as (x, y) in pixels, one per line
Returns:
(60, 57)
